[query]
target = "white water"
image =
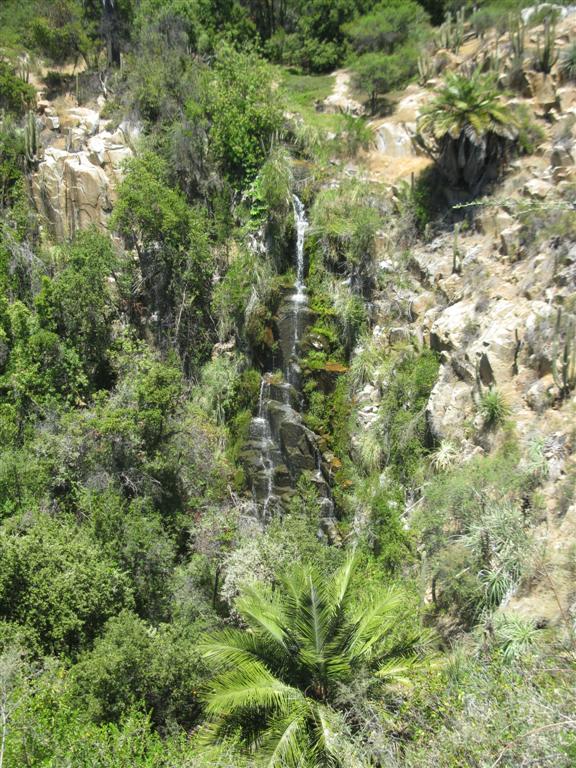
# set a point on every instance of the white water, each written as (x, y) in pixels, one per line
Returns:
(298, 298)
(264, 434)
(301, 226)
(261, 430)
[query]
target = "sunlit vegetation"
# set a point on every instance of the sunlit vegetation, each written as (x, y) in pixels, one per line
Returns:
(151, 616)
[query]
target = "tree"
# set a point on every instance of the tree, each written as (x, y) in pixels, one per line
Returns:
(278, 681)
(12, 677)
(244, 111)
(471, 130)
(77, 304)
(57, 583)
(171, 240)
(387, 26)
(379, 72)
(15, 95)
(133, 664)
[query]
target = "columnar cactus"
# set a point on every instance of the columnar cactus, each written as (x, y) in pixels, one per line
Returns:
(564, 354)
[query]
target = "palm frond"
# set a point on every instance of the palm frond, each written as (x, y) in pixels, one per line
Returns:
(286, 742)
(230, 647)
(264, 613)
(313, 623)
(373, 623)
(329, 729)
(341, 581)
(250, 686)
(401, 670)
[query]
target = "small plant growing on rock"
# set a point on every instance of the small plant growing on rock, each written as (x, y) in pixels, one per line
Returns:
(514, 635)
(546, 53)
(444, 457)
(567, 63)
(493, 408)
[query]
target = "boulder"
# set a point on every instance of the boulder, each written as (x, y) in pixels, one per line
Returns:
(395, 139)
(422, 303)
(450, 405)
(541, 394)
(497, 343)
(52, 122)
(70, 193)
(538, 189)
(510, 244)
(74, 189)
(81, 117)
(543, 91)
(446, 333)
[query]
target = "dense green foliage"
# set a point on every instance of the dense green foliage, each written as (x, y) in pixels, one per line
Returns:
(149, 616)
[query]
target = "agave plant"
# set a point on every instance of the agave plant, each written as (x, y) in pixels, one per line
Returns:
(514, 635)
(567, 64)
(278, 681)
(470, 128)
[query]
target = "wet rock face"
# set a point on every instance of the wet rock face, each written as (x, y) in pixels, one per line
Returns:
(278, 451)
(280, 448)
(294, 317)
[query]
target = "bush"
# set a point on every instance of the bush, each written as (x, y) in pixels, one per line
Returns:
(56, 582)
(244, 112)
(493, 408)
(133, 665)
(16, 96)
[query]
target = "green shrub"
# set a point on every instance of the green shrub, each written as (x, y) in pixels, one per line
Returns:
(493, 408)
(16, 96)
(56, 582)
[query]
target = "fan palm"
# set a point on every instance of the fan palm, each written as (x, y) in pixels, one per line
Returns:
(277, 681)
(472, 130)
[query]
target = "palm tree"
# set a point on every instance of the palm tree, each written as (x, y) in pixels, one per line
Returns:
(278, 681)
(471, 129)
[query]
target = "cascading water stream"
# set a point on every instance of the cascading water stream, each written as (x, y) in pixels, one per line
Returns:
(263, 433)
(298, 299)
(280, 446)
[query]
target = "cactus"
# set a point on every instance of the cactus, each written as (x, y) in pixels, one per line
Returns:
(425, 68)
(24, 69)
(491, 61)
(451, 33)
(564, 354)
(31, 144)
(517, 34)
(546, 54)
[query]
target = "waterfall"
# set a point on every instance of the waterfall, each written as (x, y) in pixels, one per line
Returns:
(298, 298)
(280, 447)
(263, 434)
(301, 224)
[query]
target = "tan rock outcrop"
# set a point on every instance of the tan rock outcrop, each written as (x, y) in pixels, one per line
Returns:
(74, 188)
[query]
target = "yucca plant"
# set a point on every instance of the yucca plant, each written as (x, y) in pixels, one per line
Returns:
(567, 63)
(444, 457)
(471, 130)
(515, 636)
(278, 681)
(493, 408)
